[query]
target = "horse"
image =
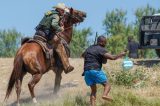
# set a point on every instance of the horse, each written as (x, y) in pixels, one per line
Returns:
(30, 58)
(67, 36)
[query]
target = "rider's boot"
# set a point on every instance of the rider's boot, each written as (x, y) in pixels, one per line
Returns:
(63, 56)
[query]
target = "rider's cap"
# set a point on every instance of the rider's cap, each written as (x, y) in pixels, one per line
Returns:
(62, 6)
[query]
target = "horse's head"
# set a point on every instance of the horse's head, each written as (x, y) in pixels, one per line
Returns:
(75, 16)
(71, 18)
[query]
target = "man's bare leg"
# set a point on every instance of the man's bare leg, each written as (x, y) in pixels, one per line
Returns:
(93, 95)
(107, 88)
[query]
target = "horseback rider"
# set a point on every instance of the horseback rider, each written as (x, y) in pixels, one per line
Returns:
(50, 27)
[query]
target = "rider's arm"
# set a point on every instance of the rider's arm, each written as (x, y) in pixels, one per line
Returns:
(55, 23)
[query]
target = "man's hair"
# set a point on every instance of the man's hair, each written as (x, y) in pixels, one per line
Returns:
(130, 38)
(100, 38)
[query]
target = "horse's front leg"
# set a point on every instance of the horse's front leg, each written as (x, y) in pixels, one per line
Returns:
(58, 78)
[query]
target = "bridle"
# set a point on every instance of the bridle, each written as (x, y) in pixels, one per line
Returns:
(68, 19)
(70, 16)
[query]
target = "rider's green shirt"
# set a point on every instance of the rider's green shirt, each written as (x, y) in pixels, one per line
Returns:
(51, 20)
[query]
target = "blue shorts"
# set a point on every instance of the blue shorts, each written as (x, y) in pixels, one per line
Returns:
(93, 77)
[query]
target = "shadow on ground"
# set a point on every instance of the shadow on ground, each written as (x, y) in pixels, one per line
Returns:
(69, 85)
(41, 97)
(46, 95)
(148, 63)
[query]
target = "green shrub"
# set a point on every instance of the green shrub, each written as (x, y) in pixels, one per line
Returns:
(124, 78)
(127, 78)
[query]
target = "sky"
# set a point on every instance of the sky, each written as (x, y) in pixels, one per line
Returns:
(24, 15)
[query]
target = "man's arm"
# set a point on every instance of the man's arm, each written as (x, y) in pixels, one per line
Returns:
(113, 57)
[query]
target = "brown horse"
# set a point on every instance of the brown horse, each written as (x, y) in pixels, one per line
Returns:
(31, 58)
(67, 36)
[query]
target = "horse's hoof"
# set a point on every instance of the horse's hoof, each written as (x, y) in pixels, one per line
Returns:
(34, 100)
(18, 104)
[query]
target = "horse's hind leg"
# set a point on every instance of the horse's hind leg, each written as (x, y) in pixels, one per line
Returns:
(18, 90)
(18, 87)
(58, 78)
(35, 79)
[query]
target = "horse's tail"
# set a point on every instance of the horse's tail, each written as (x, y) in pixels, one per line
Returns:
(16, 73)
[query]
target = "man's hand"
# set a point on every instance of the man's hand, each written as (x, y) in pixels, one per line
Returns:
(123, 53)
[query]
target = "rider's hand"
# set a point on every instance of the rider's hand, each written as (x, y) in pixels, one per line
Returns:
(62, 28)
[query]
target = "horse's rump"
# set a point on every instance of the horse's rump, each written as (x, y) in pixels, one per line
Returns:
(47, 49)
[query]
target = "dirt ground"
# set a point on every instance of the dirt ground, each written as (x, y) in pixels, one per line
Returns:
(72, 82)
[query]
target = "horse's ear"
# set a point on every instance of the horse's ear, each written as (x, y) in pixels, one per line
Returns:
(71, 10)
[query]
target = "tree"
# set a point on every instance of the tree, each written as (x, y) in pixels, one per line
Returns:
(116, 44)
(139, 13)
(117, 30)
(115, 22)
(9, 42)
(79, 41)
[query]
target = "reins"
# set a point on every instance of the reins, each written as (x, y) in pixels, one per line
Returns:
(62, 23)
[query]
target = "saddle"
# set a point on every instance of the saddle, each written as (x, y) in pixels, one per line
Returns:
(47, 49)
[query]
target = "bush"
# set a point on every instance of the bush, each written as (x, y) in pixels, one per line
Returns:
(126, 78)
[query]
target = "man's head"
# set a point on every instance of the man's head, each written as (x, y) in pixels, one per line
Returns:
(102, 41)
(61, 8)
(130, 38)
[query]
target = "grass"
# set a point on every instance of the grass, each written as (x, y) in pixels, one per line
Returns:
(120, 99)
(122, 96)
(139, 86)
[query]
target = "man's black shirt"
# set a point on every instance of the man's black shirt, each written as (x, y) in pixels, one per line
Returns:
(94, 57)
